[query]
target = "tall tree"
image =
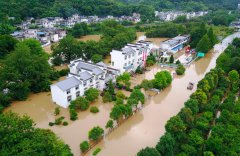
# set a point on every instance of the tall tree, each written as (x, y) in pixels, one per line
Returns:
(204, 45)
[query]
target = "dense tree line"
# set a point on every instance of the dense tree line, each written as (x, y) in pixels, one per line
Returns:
(114, 36)
(60, 8)
(20, 137)
(188, 133)
(24, 68)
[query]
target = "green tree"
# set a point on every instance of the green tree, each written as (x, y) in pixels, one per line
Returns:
(68, 49)
(116, 113)
(7, 44)
(212, 37)
(109, 124)
(96, 58)
(80, 103)
(175, 126)
(166, 144)
(20, 137)
(84, 146)
(148, 152)
(180, 69)
(107, 97)
(91, 94)
(138, 95)
(146, 84)
(204, 45)
(193, 105)
(95, 133)
(171, 60)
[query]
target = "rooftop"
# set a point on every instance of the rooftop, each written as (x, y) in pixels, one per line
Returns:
(68, 83)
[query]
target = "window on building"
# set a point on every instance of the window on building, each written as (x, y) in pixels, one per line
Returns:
(112, 63)
(91, 80)
(77, 93)
(133, 55)
(68, 91)
(129, 56)
(84, 83)
(69, 98)
(102, 76)
(77, 87)
(125, 57)
(129, 62)
(125, 64)
(96, 78)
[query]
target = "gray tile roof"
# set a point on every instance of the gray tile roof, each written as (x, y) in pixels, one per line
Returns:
(101, 64)
(127, 50)
(85, 76)
(68, 83)
(97, 71)
(86, 66)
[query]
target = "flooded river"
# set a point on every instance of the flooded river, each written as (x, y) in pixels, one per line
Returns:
(141, 130)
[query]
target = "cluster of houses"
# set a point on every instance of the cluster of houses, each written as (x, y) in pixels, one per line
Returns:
(49, 30)
(172, 15)
(235, 24)
(84, 75)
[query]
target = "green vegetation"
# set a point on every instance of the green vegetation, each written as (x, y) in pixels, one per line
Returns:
(20, 137)
(65, 123)
(148, 152)
(109, 124)
(150, 60)
(79, 30)
(96, 151)
(59, 120)
(73, 114)
(84, 146)
(162, 80)
(114, 36)
(57, 111)
(91, 94)
(24, 69)
(124, 81)
(80, 103)
(94, 109)
(180, 69)
(95, 133)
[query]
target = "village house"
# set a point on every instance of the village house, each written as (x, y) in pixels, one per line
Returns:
(82, 76)
(172, 15)
(130, 57)
(175, 44)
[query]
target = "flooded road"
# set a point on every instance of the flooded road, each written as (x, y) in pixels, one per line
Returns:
(141, 130)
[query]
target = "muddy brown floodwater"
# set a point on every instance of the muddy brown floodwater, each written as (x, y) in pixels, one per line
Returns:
(141, 130)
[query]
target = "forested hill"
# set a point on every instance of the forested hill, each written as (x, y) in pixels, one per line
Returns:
(21, 9)
(188, 4)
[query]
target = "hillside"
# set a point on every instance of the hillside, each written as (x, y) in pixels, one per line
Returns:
(64, 8)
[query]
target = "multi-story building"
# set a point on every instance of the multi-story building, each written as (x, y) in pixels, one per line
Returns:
(175, 44)
(132, 56)
(82, 76)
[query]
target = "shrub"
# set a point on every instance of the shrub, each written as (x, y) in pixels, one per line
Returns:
(73, 114)
(65, 123)
(81, 103)
(120, 94)
(91, 94)
(57, 111)
(107, 97)
(51, 123)
(63, 72)
(96, 151)
(58, 121)
(94, 109)
(180, 69)
(95, 133)
(84, 146)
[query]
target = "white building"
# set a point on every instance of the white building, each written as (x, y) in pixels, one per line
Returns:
(175, 44)
(131, 56)
(82, 76)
